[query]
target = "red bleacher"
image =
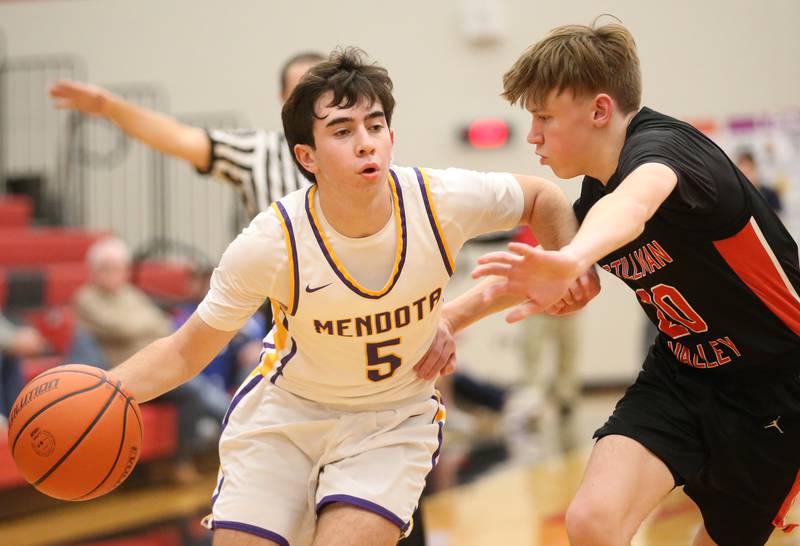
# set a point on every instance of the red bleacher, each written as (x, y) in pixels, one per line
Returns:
(15, 211)
(162, 280)
(160, 422)
(53, 260)
(20, 246)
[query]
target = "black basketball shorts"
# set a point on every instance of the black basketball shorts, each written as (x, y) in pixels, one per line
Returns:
(735, 447)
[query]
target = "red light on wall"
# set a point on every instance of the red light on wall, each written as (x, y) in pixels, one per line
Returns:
(487, 133)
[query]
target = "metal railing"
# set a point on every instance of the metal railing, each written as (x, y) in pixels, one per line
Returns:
(201, 211)
(121, 180)
(32, 137)
(83, 171)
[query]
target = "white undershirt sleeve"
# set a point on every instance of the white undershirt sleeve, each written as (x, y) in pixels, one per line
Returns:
(472, 203)
(252, 268)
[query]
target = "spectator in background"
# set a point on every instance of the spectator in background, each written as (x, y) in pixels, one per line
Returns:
(231, 366)
(119, 316)
(15, 342)
(746, 162)
(561, 331)
(120, 319)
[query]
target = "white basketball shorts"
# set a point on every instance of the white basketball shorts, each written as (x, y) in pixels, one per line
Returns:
(284, 458)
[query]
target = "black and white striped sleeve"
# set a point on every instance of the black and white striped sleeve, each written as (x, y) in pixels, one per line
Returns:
(258, 163)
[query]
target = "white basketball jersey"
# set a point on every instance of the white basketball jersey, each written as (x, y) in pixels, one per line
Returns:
(338, 342)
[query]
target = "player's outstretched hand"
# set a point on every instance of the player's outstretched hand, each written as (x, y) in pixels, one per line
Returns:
(541, 276)
(440, 359)
(84, 97)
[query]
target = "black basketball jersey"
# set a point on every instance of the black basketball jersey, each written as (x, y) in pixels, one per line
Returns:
(714, 269)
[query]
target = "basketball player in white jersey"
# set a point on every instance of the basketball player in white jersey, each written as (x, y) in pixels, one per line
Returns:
(331, 438)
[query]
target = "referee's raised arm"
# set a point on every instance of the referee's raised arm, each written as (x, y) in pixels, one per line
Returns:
(159, 131)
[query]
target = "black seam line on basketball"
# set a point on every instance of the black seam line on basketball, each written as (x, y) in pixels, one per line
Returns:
(136, 414)
(51, 404)
(79, 440)
(130, 398)
(119, 449)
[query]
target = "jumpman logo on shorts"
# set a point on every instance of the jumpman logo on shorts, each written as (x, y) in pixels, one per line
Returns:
(774, 424)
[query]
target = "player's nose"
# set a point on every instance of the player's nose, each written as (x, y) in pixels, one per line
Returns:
(535, 136)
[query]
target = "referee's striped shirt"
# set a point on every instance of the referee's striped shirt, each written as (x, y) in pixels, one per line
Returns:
(257, 162)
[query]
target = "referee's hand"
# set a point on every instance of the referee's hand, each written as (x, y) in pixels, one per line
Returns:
(84, 97)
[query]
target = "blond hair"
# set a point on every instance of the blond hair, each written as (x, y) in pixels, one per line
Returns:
(583, 59)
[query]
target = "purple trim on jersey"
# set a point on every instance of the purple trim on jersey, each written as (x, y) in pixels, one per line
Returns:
(366, 505)
(251, 529)
(285, 360)
(435, 456)
(296, 283)
(268, 345)
(432, 221)
(238, 398)
(219, 490)
(329, 258)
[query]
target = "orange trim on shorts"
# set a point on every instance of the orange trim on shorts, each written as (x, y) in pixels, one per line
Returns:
(780, 519)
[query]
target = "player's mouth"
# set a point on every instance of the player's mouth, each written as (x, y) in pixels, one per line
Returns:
(369, 170)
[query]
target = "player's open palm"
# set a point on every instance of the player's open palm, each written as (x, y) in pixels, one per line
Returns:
(79, 96)
(541, 276)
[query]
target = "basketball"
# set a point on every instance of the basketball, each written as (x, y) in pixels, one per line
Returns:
(74, 432)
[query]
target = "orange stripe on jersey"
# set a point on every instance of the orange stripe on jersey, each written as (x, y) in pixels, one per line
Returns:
(269, 360)
(780, 518)
(751, 258)
(441, 413)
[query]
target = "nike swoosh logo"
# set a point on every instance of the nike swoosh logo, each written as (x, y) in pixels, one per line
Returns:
(310, 290)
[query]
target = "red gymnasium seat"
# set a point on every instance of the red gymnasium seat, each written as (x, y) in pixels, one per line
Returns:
(9, 476)
(3, 288)
(56, 324)
(160, 421)
(34, 365)
(38, 246)
(15, 211)
(160, 441)
(166, 280)
(62, 281)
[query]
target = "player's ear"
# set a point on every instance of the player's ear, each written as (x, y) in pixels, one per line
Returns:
(391, 135)
(602, 108)
(305, 156)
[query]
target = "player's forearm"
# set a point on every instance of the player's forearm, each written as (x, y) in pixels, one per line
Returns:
(551, 218)
(158, 131)
(611, 223)
(471, 306)
(156, 369)
(173, 360)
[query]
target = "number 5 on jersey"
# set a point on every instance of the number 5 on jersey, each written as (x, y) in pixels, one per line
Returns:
(377, 363)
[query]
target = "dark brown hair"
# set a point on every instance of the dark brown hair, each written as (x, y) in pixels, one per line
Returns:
(582, 59)
(350, 79)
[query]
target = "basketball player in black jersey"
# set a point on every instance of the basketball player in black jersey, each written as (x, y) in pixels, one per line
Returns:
(716, 406)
